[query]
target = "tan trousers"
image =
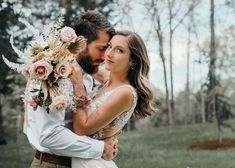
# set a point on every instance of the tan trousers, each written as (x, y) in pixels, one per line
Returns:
(38, 164)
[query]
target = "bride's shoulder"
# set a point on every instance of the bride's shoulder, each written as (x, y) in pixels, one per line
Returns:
(127, 90)
(126, 93)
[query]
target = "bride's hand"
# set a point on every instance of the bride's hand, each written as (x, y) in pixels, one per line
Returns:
(76, 74)
(110, 148)
(77, 79)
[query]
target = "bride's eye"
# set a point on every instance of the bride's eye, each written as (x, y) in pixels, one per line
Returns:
(120, 51)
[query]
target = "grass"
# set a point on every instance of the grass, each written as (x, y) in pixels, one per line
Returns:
(16, 154)
(167, 147)
(164, 147)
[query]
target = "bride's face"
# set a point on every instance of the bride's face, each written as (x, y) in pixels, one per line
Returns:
(117, 55)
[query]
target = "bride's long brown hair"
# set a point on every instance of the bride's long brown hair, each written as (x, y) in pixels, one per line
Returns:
(138, 73)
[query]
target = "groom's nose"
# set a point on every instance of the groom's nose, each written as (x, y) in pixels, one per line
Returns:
(101, 56)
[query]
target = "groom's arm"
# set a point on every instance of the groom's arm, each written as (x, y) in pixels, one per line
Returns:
(59, 140)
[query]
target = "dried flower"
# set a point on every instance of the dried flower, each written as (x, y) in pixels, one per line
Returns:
(36, 48)
(41, 55)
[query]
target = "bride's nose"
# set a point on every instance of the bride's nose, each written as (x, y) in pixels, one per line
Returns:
(109, 53)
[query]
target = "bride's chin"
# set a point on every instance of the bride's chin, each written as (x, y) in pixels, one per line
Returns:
(107, 67)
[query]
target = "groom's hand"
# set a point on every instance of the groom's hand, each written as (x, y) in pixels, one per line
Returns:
(110, 148)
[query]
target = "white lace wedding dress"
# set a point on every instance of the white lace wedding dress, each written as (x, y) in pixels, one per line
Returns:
(116, 125)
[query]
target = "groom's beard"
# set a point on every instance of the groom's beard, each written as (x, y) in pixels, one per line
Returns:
(86, 63)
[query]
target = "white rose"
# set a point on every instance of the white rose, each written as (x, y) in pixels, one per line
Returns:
(68, 35)
(58, 104)
(40, 70)
(63, 69)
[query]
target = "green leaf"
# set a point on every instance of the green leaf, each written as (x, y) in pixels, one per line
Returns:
(35, 90)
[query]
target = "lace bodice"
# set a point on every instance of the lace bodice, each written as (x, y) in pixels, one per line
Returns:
(118, 123)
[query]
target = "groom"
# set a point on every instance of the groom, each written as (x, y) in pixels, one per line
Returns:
(50, 133)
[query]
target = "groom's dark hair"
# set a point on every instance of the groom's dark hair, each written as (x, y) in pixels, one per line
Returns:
(89, 23)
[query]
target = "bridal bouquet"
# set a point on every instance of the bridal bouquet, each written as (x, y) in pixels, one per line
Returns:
(46, 65)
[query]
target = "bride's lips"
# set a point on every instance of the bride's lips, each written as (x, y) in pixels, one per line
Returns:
(108, 60)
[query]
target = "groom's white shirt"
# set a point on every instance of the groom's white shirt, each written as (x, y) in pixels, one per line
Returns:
(47, 132)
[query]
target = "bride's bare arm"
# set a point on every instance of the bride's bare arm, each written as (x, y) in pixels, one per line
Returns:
(119, 102)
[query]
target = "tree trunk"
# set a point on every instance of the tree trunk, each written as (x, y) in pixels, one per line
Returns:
(203, 114)
(212, 59)
(161, 53)
(171, 58)
(170, 120)
(168, 105)
(158, 28)
(171, 77)
(171, 31)
(67, 5)
(188, 110)
(212, 76)
(2, 139)
(202, 94)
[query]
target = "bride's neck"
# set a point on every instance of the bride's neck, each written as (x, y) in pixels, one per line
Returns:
(115, 80)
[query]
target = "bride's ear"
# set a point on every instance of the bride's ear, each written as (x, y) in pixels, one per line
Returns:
(132, 64)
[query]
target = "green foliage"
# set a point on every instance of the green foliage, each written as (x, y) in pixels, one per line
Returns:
(101, 6)
(7, 18)
(74, 7)
(36, 13)
(223, 107)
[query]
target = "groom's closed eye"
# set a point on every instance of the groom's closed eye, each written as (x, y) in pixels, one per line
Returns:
(103, 48)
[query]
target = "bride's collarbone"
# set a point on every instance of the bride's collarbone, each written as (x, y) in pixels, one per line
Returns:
(106, 89)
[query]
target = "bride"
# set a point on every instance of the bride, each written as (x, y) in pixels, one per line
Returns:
(126, 92)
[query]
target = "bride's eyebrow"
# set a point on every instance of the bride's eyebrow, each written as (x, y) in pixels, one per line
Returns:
(119, 46)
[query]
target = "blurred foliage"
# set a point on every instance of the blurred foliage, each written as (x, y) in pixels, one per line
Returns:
(44, 12)
(38, 13)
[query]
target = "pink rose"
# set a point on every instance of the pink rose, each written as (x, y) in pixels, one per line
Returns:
(33, 103)
(40, 70)
(58, 104)
(68, 35)
(63, 69)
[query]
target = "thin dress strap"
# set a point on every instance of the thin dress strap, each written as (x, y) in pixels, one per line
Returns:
(134, 92)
